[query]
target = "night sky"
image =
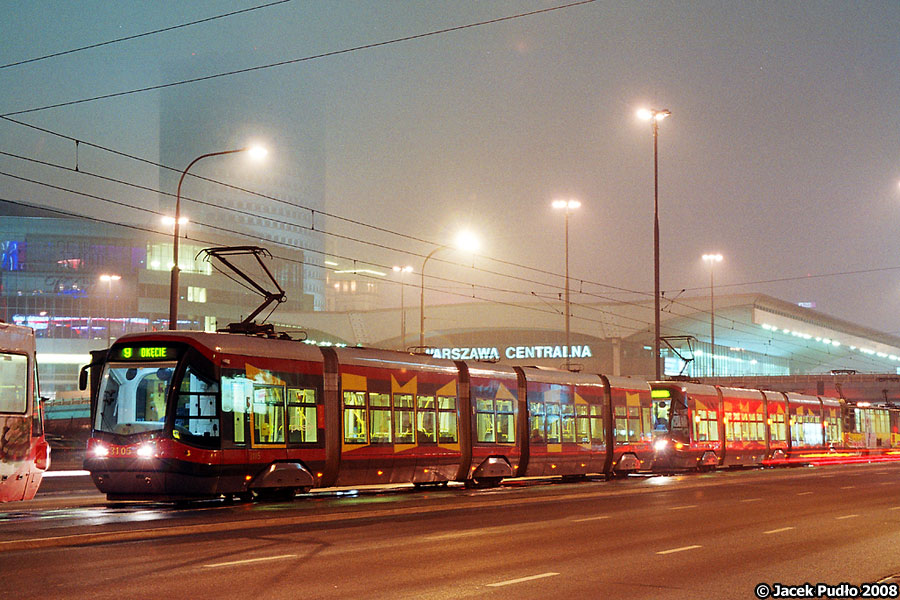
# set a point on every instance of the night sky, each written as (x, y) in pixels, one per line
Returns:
(782, 152)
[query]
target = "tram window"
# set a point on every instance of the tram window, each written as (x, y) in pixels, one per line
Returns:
(621, 424)
(354, 417)
(506, 421)
(568, 422)
(553, 432)
(448, 432)
(13, 383)
(379, 418)
(647, 422)
(634, 422)
(484, 419)
(660, 413)
(268, 414)
(777, 429)
(301, 416)
(403, 419)
(582, 424)
(536, 412)
(237, 392)
(196, 413)
(598, 431)
(425, 420)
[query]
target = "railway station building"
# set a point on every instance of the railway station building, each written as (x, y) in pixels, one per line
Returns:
(755, 335)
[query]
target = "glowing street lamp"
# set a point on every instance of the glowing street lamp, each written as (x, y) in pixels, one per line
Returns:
(465, 241)
(402, 271)
(109, 281)
(255, 152)
(567, 206)
(655, 116)
(712, 259)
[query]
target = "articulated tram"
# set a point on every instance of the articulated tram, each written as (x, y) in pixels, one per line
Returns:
(24, 452)
(182, 415)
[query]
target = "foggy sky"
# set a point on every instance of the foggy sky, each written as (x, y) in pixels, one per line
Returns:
(781, 153)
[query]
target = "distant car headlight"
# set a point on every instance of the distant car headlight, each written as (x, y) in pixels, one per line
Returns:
(660, 445)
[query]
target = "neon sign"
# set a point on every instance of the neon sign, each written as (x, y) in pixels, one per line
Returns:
(512, 352)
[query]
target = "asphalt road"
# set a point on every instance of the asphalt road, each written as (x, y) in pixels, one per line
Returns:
(710, 536)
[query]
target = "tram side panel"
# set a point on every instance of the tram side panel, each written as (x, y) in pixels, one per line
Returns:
(744, 419)
(399, 416)
(492, 422)
(777, 438)
(631, 408)
(566, 427)
(272, 414)
(806, 428)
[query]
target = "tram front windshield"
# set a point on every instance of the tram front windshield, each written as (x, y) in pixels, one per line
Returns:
(132, 397)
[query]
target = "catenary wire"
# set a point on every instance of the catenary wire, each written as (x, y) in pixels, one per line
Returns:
(139, 35)
(301, 59)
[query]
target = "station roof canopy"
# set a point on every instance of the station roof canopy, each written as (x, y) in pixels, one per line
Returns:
(813, 341)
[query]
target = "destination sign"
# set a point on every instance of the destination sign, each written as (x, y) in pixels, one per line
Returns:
(145, 353)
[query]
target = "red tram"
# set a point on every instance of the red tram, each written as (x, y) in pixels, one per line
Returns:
(24, 452)
(713, 426)
(179, 415)
(182, 415)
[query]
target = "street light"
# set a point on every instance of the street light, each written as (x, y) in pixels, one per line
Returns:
(655, 116)
(255, 152)
(465, 241)
(712, 259)
(567, 206)
(401, 271)
(108, 279)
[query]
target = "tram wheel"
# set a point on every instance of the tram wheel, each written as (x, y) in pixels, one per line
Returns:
(481, 483)
(275, 494)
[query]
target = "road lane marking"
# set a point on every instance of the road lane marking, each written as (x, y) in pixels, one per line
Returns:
(846, 517)
(590, 519)
(895, 508)
(751, 499)
(805, 493)
(250, 560)
(682, 549)
(521, 579)
(682, 507)
(847, 487)
(779, 530)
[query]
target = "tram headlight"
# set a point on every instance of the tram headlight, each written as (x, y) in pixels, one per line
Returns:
(146, 451)
(660, 445)
(100, 450)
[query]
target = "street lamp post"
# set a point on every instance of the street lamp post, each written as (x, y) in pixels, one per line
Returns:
(567, 206)
(108, 279)
(655, 116)
(255, 152)
(464, 241)
(402, 271)
(712, 259)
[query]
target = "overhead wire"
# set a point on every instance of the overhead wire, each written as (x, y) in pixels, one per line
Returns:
(139, 35)
(288, 259)
(282, 63)
(233, 232)
(313, 211)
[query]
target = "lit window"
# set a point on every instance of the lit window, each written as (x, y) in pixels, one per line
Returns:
(196, 294)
